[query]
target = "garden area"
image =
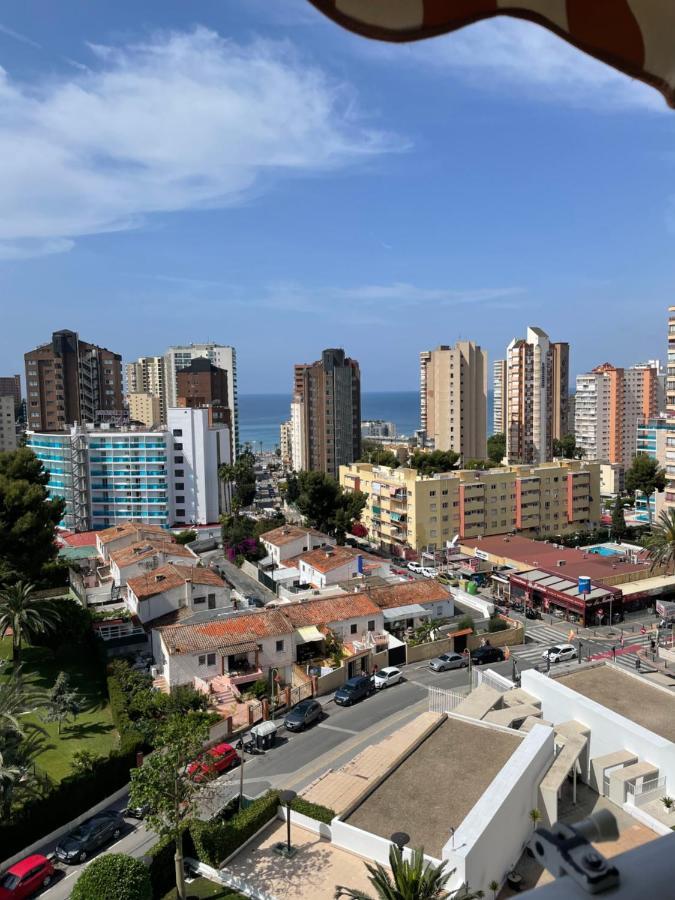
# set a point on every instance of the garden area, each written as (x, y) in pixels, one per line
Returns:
(202, 887)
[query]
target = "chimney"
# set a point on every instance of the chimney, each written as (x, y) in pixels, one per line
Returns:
(561, 562)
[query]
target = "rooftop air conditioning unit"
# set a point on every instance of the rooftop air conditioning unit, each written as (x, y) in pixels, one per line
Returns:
(561, 562)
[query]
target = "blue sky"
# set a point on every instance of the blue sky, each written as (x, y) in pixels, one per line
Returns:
(244, 171)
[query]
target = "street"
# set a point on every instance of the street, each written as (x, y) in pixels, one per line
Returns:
(242, 583)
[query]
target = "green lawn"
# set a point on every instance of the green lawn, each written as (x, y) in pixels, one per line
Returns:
(92, 730)
(201, 887)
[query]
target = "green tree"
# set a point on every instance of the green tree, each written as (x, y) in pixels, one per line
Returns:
(84, 761)
(496, 447)
(479, 464)
(409, 880)
(63, 702)
(619, 527)
(186, 536)
(434, 461)
(25, 615)
(165, 785)
(28, 517)
(567, 448)
(645, 475)
(321, 499)
(660, 543)
(114, 876)
(242, 474)
(376, 454)
(292, 490)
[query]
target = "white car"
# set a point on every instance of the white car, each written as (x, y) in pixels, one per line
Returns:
(560, 653)
(414, 567)
(429, 573)
(384, 678)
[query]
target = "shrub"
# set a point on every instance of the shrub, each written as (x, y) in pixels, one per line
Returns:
(313, 810)
(131, 738)
(214, 841)
(74, 628)
(260, 688)
(113, 877)
(187, 536)
(466, 622)
(496, 623)
(162, 870)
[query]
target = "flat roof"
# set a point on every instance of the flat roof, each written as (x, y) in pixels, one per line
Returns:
(629, 695)
(436, 787)
(539, 554)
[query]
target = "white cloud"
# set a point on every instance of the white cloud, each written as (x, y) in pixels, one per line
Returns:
(17, 36)
(183, 121)
(502, 53)
(25, 249)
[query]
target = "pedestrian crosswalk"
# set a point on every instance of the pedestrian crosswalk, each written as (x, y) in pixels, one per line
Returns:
(547, 634)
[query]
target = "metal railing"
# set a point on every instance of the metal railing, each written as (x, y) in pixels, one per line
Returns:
(646, 791)
(491, 679)
(442, 701)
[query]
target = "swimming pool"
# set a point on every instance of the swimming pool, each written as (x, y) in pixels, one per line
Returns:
(604, 551)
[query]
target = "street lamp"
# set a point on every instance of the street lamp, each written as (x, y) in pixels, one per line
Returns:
(400, 839)
(242, 755)
(287, 797)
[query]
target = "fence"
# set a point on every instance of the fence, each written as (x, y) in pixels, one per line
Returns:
(442, 701)
(644, 793)
(491, 679)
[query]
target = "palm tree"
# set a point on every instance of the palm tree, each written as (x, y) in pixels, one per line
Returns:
(660, 542)
(535, 816)
(25, 615)
(409, 880)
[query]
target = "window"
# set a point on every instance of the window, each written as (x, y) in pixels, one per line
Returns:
(177, 446)
(211, 659)
(180, 487)
(212, 601)
(179, 473)
(371, 625)
(353, 629)
(180, 513)
(197, 600)
(178, 432)
(180, 499)
(280, 646)
(202, 660)
(178, 460)
(432, 493)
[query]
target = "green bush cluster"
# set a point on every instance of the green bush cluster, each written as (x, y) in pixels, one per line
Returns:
(161, 856)
(313, 810)
(114, 876)
(214, 841)
(496, 623)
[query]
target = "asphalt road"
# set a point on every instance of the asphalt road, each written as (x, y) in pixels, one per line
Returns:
(243, 584)
(301, 757)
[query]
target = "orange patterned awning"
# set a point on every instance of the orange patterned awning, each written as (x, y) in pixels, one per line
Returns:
(635, 36)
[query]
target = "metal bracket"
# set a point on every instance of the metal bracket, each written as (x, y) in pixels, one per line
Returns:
(567, 850)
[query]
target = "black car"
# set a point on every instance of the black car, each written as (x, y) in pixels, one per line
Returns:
(532, 613)
(306, 712)
(90, 836)
(354, 689)
(487, 654)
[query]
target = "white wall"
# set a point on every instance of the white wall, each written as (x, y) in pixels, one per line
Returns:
(310, 575)
(182, 668)
(489, 841)
(175, 598)
(473, 601)
(142, 567)
(344, 626)
(609, 730)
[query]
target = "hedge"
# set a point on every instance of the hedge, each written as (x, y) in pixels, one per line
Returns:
(313, 810)
(162, 868)
(214, 841)
(114, 876)
(74, 795)
(131, 738)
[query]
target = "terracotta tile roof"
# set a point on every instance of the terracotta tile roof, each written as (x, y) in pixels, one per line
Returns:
(537, 554)
(407, 593)
(128, 528)
(287, 533)
(145, 549)
(329, 609)
(225, 633)
(81, 539)
(170, 576)
(326, 560)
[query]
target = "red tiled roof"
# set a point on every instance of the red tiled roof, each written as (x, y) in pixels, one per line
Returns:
(127, 528)
(284, 534)
(225, 633)
(540, 555)
(329, 609)
(326, 560)
(406, 593)
(144, 549)
(170, 576)
(80, 539)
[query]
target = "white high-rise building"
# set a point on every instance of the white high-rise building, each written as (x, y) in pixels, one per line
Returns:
(225, 357)
(298, 461)
(499, 389)
(592, 416)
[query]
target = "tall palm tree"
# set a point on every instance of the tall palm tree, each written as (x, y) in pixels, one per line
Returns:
(660, 542)
(409, 880)
(25, 615)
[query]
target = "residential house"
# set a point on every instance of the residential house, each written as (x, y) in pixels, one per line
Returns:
(143, 556)
(244, 647)
(290, 540)
(172, 587)
(126, 533)
(411, 603)
(329, 565)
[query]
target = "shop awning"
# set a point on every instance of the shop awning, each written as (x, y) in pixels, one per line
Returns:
(636, 38)
(309, 633)
(414, 611)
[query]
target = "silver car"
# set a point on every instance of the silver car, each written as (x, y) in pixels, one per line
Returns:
(448, 661)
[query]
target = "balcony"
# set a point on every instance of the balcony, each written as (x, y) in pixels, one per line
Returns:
(246, 677)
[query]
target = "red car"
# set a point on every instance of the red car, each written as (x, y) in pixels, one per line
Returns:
(215, 761)
(26, 877)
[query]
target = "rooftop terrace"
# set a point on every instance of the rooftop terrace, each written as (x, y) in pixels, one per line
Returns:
(628, 695)
(437, 785)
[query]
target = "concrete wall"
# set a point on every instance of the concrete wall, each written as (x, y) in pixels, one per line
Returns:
(506, 638)
(325, 684)
(490, 839)
(430, 650)
(609, 730)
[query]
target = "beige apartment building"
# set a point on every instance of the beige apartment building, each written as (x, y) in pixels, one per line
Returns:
(453, 398)
(146, 376)
(145, 408)
(7, 424)
(408, 510)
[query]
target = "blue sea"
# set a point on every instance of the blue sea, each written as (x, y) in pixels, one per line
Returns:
(260, 415)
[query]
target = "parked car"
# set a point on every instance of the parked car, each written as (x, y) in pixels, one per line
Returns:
(444, 579)
(532, 613)
(213, 762)
(414, 567)
(486, 654)
(428, 573)
(560, 653)
(137, 812)
(448, 661)
(354, 689)
(89, 837)
(306, 712)
(26, 877)
(384, 678)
